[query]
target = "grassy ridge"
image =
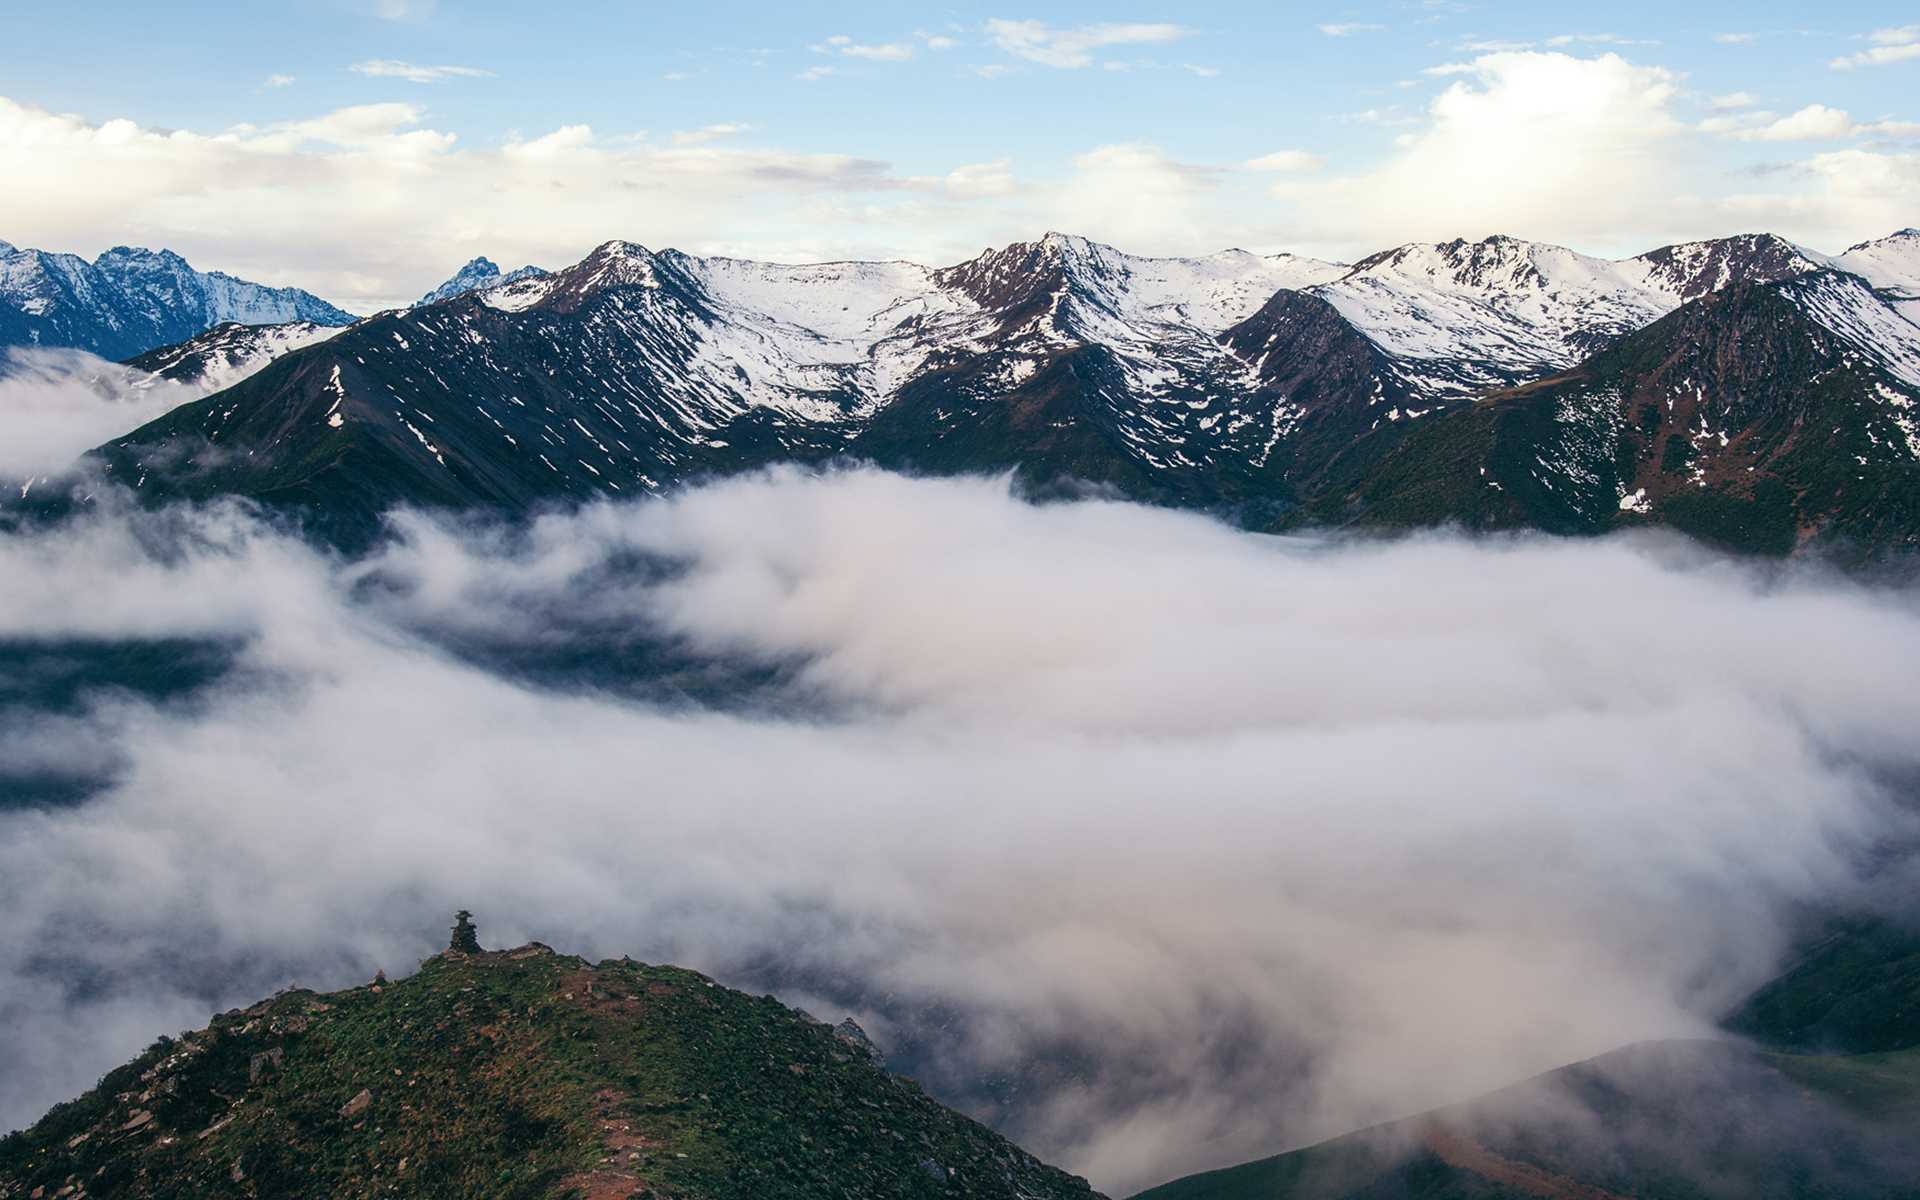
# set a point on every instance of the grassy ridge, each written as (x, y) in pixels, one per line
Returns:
(516, 1074)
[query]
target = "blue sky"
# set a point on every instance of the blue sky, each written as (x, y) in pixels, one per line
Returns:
(795, 131)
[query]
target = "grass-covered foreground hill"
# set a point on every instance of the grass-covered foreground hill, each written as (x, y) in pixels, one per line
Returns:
(520, 1073)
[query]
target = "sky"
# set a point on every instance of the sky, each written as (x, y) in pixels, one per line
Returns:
(366, 148)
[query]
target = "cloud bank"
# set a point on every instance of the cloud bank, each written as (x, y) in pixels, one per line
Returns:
(55, 405)
(1158, 843)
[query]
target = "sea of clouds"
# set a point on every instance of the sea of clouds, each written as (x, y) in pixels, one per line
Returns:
(1159, 843)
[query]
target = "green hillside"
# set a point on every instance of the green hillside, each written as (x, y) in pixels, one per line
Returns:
(520, 1073)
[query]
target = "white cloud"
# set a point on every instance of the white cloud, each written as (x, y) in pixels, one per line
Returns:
(1583, 149)
(1900, 44)
(938, 41)
(1132, 194)
(1735, 39)
(1286, 160)
(1202, 72)
(1038, 42)
(814, 73)
(841, 44)
(709, 133)
(883, 52)
(1817, 122)
(279, 81)
(1349, 28)
(1598, 39)
(1833, 198)
(390, 68)
(994, 178)
(1733, 100)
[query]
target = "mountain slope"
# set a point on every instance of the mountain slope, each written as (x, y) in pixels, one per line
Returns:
(519, 1073)
(1891, 263)
(1661, 1120)
(1762, 417)
(229, 352)
(1460, 317)
(1855, 990)
(130, 300)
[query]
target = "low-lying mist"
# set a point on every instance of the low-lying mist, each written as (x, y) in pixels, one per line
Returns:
(55, 405)
(1159, 843)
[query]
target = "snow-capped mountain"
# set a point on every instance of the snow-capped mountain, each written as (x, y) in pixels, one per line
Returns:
(1764, 416)
(1258, 385)
(1891, 264)
(477, 275)
(130, 300)
(228, 353)
(1459, 317)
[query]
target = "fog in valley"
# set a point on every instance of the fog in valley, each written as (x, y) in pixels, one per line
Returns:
(1157, 843)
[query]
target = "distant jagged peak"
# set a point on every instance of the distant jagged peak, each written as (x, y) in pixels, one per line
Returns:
(139, 254)
(479, 274)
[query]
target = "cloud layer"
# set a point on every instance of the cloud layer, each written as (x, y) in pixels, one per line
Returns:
(55, 405)
(1214, 842)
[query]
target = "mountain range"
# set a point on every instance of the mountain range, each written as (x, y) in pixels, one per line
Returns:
(131, 300)
(1753, 392)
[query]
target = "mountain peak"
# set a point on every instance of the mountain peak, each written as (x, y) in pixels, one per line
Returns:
(1495, 261)
(1908, 234)
(479, 274)
(1013, 275)
(1693, 269)
(139, 254)
(611, 264)
(1063, 243)
(618, 263)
